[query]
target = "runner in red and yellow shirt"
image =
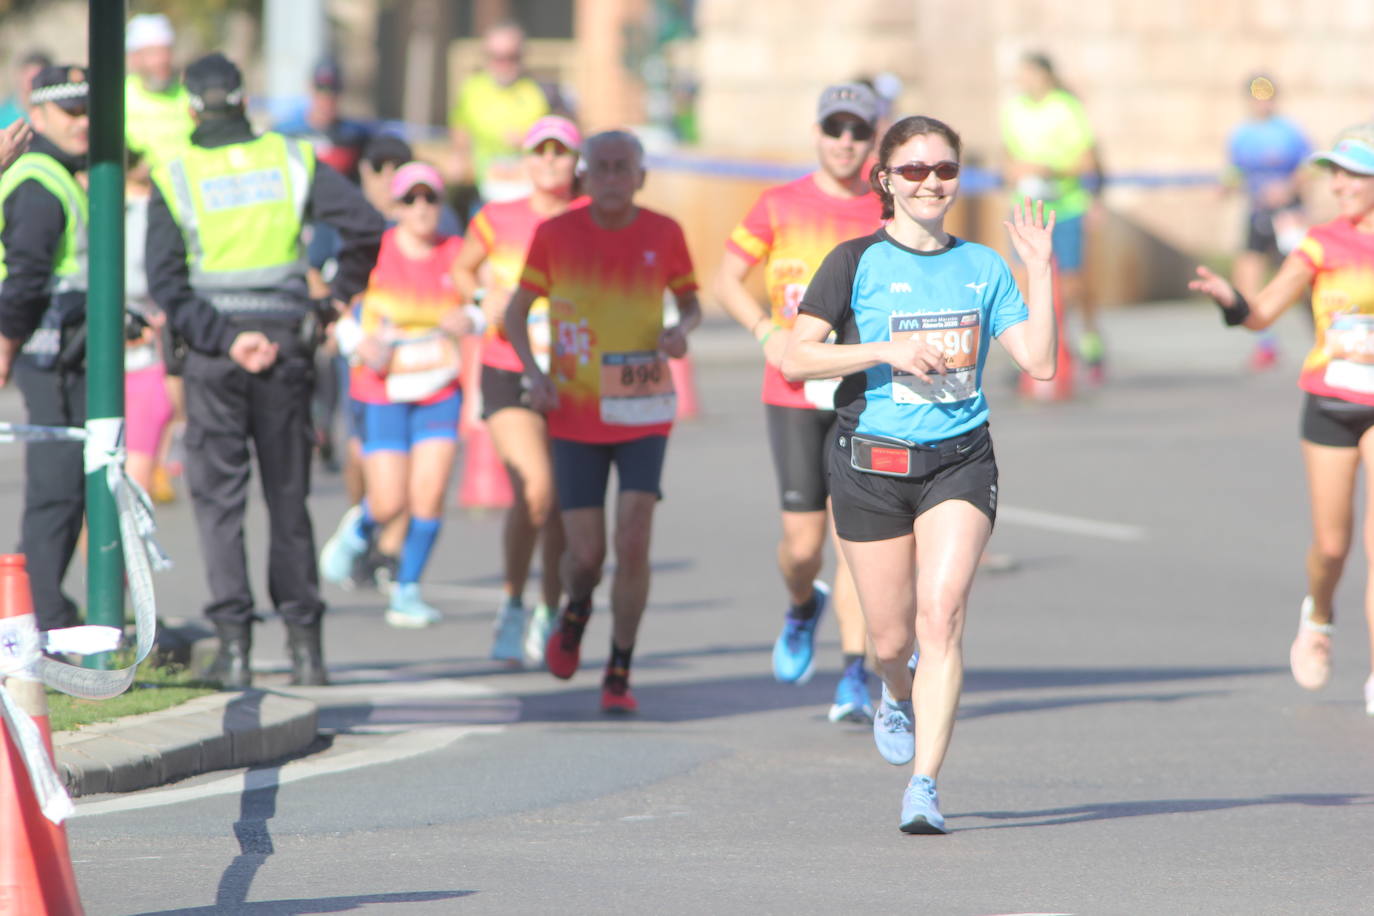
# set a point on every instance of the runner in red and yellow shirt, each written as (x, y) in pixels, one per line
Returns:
(790, 230)
(608, 392)
(498, 237)
(1336, 260)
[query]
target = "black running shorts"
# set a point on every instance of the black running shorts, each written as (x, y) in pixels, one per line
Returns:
(1334, 422)
(581, 470)
(800, 437)
(873, 507)
(502, 388)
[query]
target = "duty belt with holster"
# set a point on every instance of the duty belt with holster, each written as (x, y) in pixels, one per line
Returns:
(892, 457)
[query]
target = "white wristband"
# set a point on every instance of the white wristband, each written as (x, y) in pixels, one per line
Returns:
(477, 317)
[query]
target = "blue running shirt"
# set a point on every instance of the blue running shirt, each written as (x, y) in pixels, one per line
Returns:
(873, 289)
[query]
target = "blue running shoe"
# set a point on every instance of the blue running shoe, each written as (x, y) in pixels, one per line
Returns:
(852, 701)
(921, 807)
(508, 632)
(794, 652)
(894, 730)
(408, 610)
(911, 665)
(344, 548)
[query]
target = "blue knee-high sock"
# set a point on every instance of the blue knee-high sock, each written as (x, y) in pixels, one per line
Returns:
(420, 538)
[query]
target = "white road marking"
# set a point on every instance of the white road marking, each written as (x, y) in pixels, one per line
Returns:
(1070, 524)
(411, 744)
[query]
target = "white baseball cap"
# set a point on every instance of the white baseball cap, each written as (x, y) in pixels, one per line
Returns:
(148, 30)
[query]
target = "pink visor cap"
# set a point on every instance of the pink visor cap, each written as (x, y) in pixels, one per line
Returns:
(552, 127)
(413, 173)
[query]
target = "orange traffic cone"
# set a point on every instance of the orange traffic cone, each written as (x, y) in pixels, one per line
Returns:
(685, 384)
(1059, 388)
(35, 865)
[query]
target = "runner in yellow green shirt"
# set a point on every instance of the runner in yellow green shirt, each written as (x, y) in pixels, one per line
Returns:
(1050, 151)
(494, 109)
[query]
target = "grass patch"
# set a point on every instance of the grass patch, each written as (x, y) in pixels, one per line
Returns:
(154, 688)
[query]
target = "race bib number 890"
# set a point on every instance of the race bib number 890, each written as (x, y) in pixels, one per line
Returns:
(957, 335)
(636, 389)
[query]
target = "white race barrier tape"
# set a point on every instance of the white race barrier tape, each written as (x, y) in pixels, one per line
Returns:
(21, 648)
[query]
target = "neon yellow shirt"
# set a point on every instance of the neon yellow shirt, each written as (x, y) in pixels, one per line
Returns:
(496, 117)
(157, 125)
(1053, 132)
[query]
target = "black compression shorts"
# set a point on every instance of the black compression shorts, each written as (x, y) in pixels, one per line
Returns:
(799, 437)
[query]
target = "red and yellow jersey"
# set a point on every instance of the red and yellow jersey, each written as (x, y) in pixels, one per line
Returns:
(605, 291)
(505, 229)
(793, 227)
(1341, 363)
(404, 300)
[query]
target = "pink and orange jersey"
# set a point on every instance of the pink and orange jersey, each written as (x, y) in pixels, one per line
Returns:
(505, 229)
(1341, 362)
(605, 291)
(405, 296)
(793, 227)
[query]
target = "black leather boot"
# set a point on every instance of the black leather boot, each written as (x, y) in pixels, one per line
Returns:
(231, 667)
(307, 656)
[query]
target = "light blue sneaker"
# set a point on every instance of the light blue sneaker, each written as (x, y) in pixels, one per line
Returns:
(510, 630)
(537, 634)
(343, 549)
(408, 610)
(852, 701)
(921, 807)
(894, 730)
(794, 652)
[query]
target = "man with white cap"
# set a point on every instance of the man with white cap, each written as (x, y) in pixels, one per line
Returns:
(43, 220)
(157, 111)
(226, 263)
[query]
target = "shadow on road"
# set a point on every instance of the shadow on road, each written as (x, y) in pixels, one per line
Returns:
(1053, 817)
(685, 701)
(306, 906)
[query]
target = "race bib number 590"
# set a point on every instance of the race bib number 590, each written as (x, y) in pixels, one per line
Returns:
(957, 335)
(636, 389)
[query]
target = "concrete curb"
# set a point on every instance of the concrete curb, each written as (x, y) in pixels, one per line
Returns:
(216, 732)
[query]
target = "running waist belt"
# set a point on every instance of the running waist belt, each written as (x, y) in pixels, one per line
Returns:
(892, 457)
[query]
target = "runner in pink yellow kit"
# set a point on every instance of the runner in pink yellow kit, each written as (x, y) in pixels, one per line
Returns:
(1336, 260)
(405, 374)
(491, 258)
(790, 230)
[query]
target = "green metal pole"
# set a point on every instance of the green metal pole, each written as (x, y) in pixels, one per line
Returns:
(105, 305)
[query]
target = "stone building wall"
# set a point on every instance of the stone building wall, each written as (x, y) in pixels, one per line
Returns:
(1162, 80)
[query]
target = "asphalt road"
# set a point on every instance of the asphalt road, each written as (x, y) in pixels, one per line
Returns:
(1129, 742)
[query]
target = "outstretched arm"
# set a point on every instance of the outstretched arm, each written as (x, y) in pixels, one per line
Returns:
(1286, 288)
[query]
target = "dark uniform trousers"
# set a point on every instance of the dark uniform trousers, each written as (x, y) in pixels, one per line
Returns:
(54, 489)
(227, 409)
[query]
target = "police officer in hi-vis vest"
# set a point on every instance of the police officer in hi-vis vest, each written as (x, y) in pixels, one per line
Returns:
(42, 313)
(226, 262)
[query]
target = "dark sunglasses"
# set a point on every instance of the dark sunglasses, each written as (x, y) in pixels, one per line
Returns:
(918, 171)
(835, 127)
(424, 194)
(73, 111)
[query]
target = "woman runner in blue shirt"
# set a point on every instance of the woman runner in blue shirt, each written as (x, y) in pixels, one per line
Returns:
(912, 474)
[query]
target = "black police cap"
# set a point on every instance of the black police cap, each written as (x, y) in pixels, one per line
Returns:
(214, 82)
(66, 86)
